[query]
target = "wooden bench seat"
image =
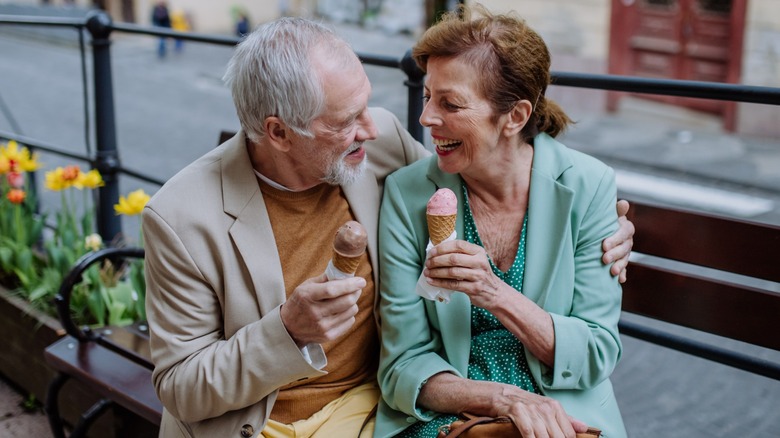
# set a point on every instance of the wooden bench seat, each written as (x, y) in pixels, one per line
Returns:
(109, 374)
(114, 362)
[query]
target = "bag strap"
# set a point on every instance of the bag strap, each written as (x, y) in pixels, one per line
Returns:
(472, 421)
(468, 425)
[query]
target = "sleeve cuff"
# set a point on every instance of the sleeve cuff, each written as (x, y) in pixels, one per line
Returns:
(314, 355)
(568, 361)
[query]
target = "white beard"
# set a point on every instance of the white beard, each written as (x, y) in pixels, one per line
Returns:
(339, 173)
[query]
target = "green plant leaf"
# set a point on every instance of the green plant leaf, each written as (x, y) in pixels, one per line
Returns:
(38, 293)
(6, 255)
(97, 307)
(86, 224)
(24, 258)
(138, 281)
(35, 232)
(115, 313)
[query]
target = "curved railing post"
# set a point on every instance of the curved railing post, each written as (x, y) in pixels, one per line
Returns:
(106, 160)
(415, 83)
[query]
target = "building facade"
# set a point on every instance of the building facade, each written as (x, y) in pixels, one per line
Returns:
(581, 35)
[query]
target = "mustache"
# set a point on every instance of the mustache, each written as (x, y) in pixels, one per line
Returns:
(352, 148)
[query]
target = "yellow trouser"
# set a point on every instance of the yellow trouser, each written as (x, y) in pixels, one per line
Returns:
(341, 417)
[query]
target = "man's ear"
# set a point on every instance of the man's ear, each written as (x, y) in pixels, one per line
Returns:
(277, 133)
(517, 118)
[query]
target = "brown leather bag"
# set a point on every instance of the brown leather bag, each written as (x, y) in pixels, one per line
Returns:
(470, 426)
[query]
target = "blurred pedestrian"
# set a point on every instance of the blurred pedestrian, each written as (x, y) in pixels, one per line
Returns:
(242, 24)
(179, 22)
(161, 18)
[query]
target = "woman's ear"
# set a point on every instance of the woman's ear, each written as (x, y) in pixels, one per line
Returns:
(277, 133)
(517, 118)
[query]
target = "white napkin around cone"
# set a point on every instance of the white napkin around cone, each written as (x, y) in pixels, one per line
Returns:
(334, 273)
(426, 290)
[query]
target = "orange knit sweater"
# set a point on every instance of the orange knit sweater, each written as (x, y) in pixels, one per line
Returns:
(304, 224)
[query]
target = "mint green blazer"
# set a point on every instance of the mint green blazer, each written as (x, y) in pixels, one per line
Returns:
(571, 210)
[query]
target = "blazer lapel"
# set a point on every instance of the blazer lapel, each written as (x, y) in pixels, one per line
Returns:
(549, 210)
(363, 198)
(251, 232)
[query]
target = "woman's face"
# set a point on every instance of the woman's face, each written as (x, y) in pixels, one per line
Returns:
(459, 116)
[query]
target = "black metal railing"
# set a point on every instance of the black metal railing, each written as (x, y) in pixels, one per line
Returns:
(106, 158)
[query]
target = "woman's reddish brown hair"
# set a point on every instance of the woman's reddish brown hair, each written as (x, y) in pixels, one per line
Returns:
(513, 60)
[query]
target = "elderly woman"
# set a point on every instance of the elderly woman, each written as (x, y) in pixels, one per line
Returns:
(531, 329)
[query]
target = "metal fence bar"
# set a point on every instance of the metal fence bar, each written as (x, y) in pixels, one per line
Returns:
(165, 32)
(34, 144)
(29, 20)
(141, 176)
(37, 145)
(693, 347)
(670, 87)
(109, 225)
(414, 83)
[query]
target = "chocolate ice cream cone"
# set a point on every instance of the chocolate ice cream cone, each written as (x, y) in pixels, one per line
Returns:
(349, 244)
(345, 264)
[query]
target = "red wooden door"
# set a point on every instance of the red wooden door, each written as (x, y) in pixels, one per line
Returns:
(697, 40)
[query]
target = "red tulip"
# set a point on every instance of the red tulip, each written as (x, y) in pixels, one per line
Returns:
(15, 179)
(16, 196)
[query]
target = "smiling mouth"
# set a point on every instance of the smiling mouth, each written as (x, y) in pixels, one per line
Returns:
(445, 145)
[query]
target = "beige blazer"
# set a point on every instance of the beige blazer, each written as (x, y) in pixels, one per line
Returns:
(215, 285)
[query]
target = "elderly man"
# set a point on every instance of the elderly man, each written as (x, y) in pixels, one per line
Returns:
(249, 337)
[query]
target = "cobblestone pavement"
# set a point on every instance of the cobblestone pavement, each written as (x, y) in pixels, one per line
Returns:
(16, 421)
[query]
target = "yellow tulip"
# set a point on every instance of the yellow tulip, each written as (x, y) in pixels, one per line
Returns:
(66, 177)
(18, 159)
(89, 180)
(133, 204)
(93, 242)
(55, 181)
(29, 163)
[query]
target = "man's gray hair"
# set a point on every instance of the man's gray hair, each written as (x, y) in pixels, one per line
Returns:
(271, 74)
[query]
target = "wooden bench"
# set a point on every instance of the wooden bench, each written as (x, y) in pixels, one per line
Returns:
(709, 273)
(114, 362)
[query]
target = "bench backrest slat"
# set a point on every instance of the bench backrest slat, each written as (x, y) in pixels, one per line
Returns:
(724, 309)
(726, 244)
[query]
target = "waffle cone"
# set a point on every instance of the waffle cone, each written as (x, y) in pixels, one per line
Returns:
(347, 265)
(440, 227)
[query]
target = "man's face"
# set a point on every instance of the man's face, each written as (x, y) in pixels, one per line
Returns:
(335, 155)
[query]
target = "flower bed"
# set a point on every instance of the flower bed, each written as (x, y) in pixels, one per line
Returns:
(34, 259)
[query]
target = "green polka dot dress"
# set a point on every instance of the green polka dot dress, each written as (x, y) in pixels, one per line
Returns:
(496, 354)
